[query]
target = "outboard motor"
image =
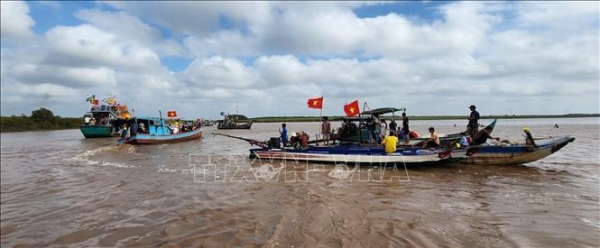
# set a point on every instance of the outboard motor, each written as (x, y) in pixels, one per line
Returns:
(274, 143)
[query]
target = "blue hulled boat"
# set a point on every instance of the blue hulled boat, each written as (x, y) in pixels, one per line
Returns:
(155, 130)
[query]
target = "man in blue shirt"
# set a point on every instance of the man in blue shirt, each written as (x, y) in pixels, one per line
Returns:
(284, 137)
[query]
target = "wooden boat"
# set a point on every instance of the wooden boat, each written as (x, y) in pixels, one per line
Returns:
(233, 122)
(352, 154)
(519, 153)
(103, 124)
(154, 130)
(360, 155)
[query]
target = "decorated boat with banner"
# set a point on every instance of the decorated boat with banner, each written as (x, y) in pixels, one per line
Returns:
(514, 153)
(100, 121)
(156, 130)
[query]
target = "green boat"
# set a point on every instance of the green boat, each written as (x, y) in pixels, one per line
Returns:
(104, 121)
(97, 131)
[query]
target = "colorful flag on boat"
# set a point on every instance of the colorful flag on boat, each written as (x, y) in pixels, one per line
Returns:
(315, 103)
(351, 109)
(111, 101)
(171, 113)
(95, 103)
(91, 99)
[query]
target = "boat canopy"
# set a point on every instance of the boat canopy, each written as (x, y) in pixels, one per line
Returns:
(381, 111)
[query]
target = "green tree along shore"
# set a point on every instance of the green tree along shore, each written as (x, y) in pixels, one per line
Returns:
(41, 119)
(44, 119)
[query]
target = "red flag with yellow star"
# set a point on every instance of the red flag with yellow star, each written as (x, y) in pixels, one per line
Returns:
(315, 103)
(351, 109)
(171, 113)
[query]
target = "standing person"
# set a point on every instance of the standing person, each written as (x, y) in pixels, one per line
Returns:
(326, 130)
(434, 140)
(284, 137)
(473, 125)
(371, 128)
(377, 130)
(405, 128)
(390, 142)
(87, 119)
(393, 126)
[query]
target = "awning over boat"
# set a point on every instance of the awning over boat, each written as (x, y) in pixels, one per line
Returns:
(381, 111)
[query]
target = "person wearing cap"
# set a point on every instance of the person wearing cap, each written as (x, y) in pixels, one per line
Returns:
(433, 141)
(326, 130)
(473, 125)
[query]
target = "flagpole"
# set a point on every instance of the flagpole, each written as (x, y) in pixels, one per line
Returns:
(321, 116)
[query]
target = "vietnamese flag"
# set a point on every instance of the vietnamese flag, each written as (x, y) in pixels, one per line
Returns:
(172, 114)
(315, 103)
(95, 103)
(351, 109)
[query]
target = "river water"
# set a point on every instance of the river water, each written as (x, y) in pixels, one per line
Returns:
(61, 190)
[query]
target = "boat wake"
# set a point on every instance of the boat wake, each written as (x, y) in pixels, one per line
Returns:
(342, 172)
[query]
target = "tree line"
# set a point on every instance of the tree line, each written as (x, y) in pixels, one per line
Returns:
(41, 119)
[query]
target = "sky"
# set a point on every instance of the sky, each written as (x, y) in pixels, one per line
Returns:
(268, 58)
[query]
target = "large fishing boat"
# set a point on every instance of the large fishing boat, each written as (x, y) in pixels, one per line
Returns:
(156, 130)
(100, 121)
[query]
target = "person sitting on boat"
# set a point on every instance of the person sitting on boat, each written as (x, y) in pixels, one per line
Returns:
(483, 135)
(284, 136)
(464, 141)
(142, 128)
(93, 121)
(390, 142)
(434, 140)
(87, 119)
(295, 140)
(303, 139)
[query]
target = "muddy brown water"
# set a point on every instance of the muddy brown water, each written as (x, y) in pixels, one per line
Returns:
(61, 190)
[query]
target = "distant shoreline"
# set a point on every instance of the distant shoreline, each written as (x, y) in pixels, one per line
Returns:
(397, 117)
(11, 124)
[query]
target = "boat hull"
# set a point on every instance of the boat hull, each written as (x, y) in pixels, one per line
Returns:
(97, 131)
(517, 154)
(146, 139)
(235, 126)
(359, 155)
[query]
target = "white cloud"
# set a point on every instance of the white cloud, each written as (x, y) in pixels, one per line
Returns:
(271, 56)
(15, 21)
(88, 45)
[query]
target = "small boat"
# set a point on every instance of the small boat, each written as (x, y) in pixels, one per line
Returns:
(156, 130)
(233, 122)
(100, 121)
(360, 155)
(520, 153)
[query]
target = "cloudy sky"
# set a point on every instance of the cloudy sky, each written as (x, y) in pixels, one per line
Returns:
(268, 58)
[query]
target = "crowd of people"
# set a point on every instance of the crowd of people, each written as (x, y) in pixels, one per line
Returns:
(389, 135)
